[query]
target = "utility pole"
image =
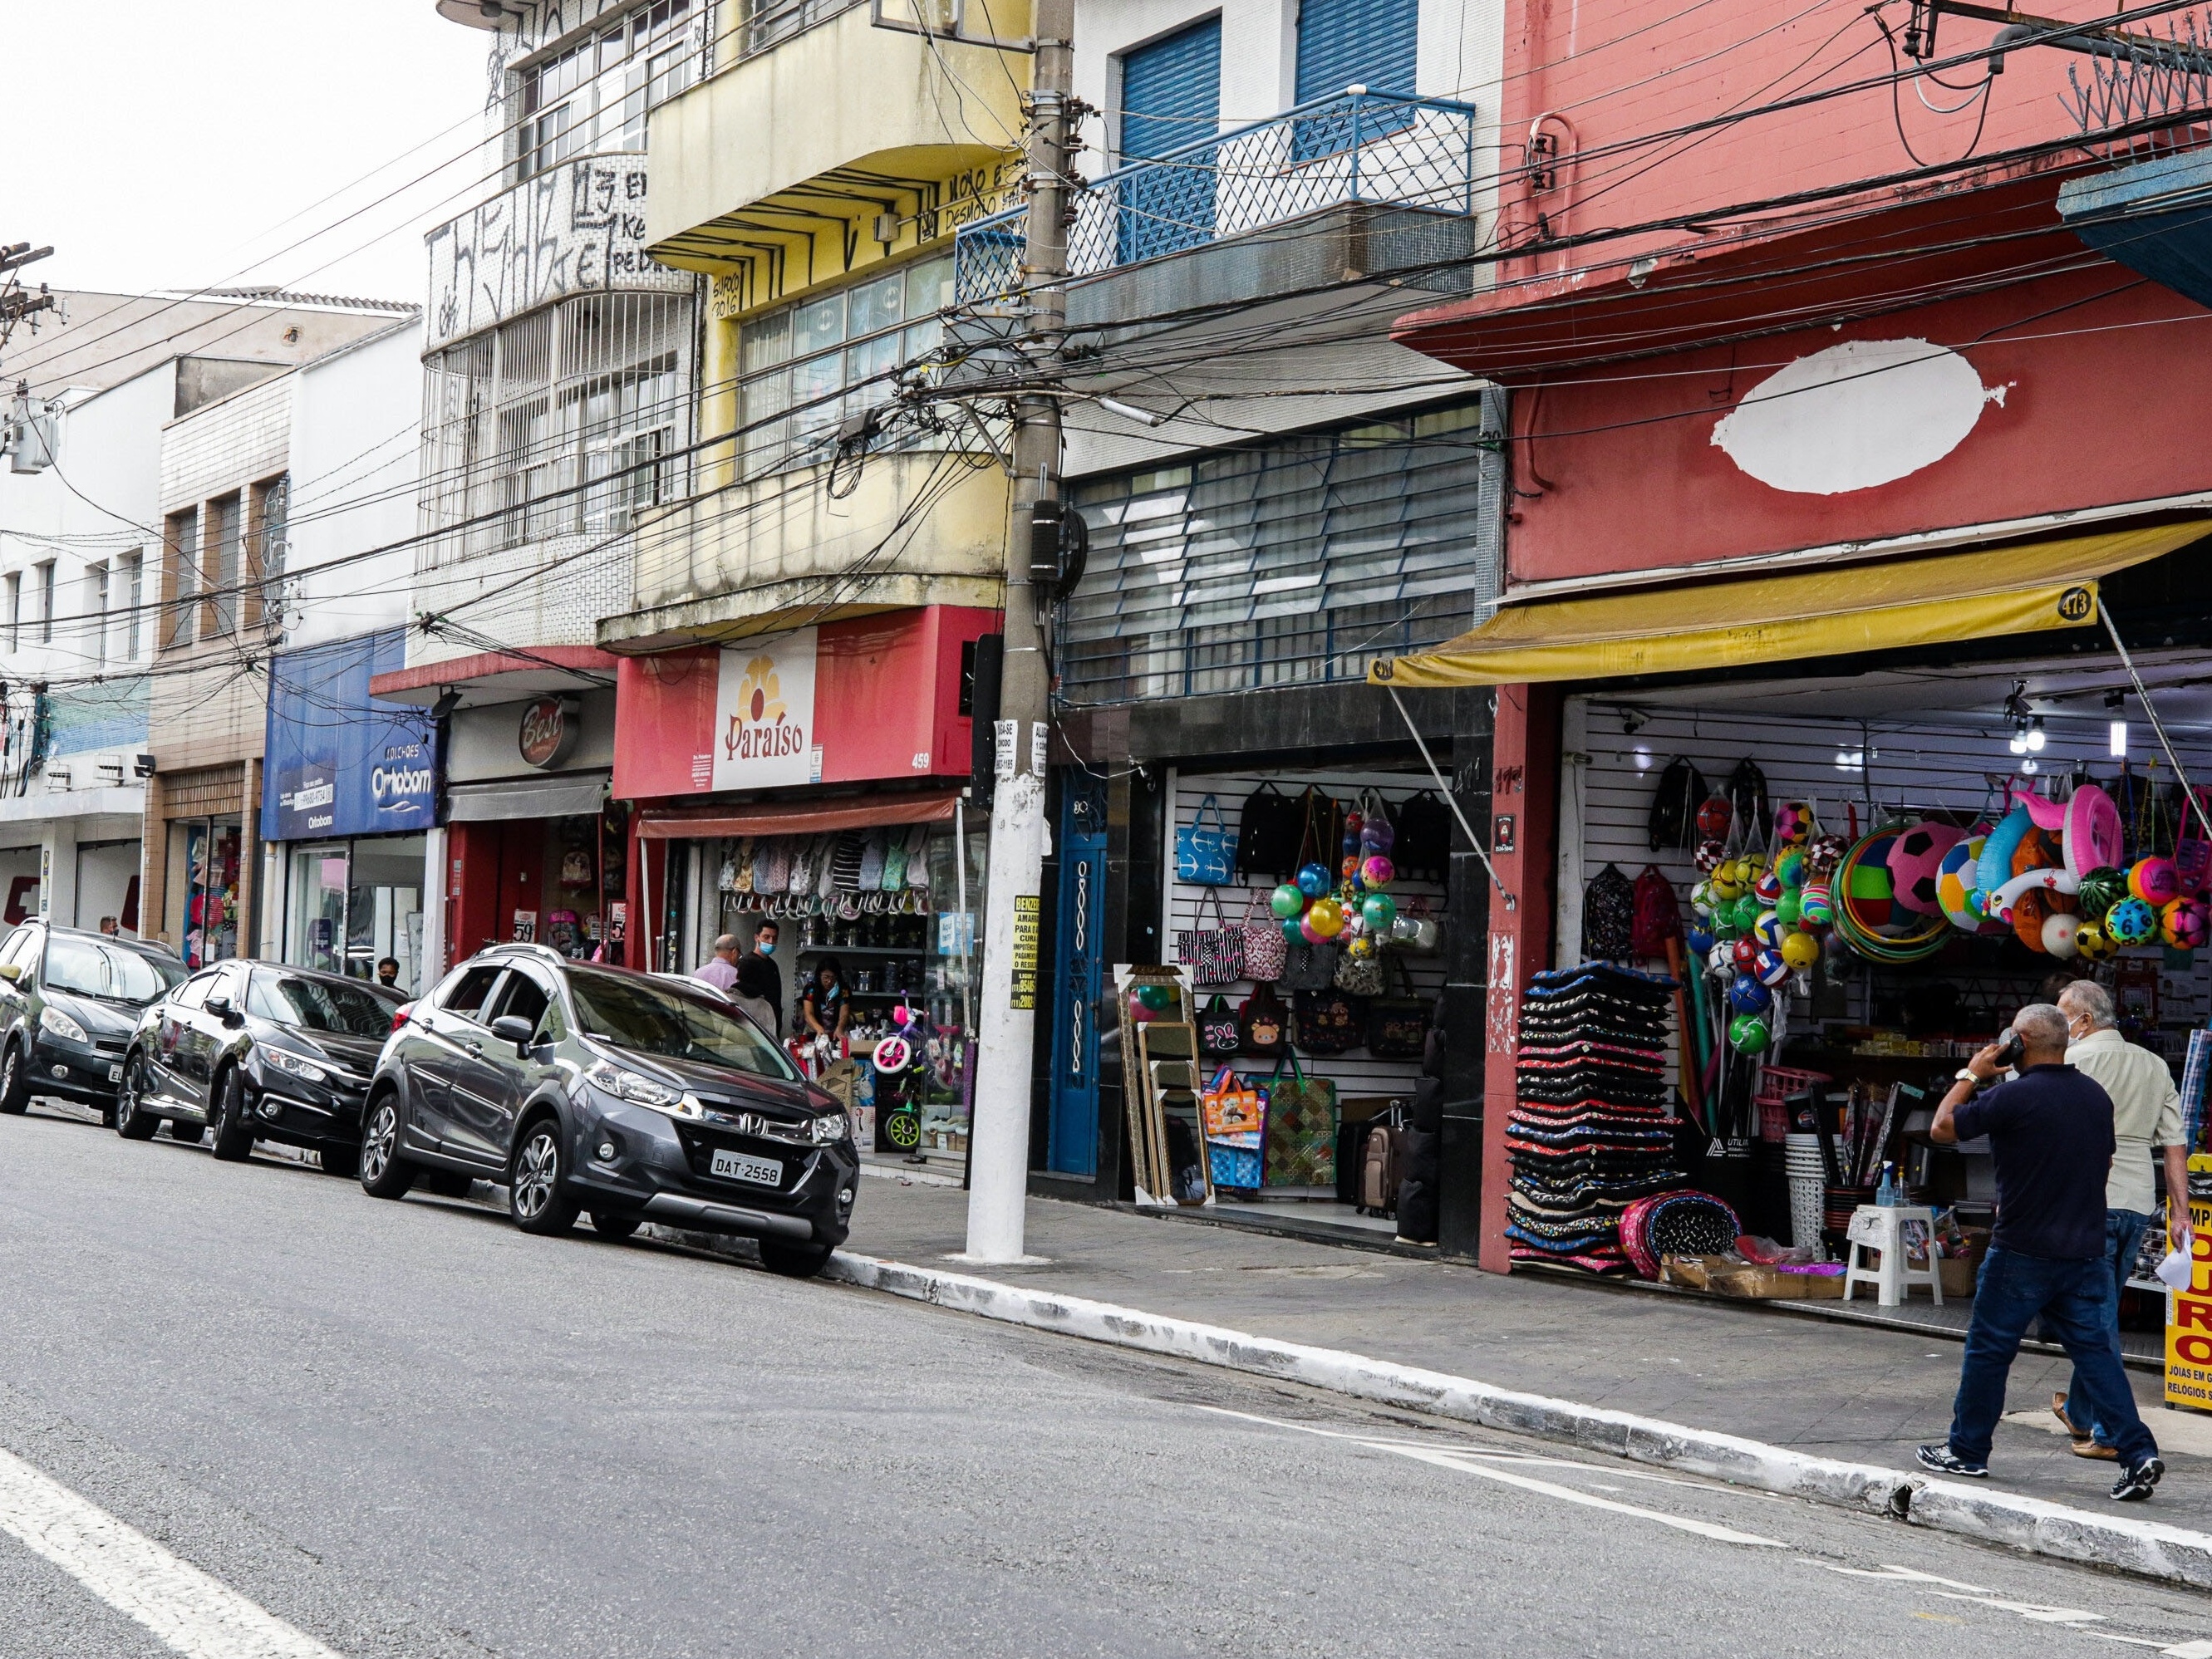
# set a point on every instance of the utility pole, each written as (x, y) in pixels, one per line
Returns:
(998, 1162)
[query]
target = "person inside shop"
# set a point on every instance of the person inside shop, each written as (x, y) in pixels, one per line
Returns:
(752, 992)
(763, 953)
(824, 1004)
(720, 970)
(2051, 1139)
(2146, 1113)
(387, 972)
(110, 926)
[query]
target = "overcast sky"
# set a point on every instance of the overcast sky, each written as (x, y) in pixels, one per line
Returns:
(183, 144)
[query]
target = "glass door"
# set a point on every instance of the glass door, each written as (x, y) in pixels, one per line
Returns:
(315, 920)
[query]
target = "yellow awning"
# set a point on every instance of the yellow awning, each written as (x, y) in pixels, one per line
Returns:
(1809, 613)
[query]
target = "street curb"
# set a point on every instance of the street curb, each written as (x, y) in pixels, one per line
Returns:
(2146, 1549)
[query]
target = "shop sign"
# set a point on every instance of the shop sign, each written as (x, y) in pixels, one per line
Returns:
(764, 731)
(2189, 1312)
(337, 762)
(548, 734)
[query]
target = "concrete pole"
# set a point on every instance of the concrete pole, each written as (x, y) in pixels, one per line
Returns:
(998, 1165)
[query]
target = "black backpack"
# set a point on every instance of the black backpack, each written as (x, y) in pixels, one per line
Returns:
(1674, 808)
(1747, 794)
(1422, 851)
(1268, 835)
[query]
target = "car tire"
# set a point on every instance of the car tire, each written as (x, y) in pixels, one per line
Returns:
(14, 1082)
(132, 1121)
(781, 1256)
(233, 1121)
(616, 1227)
(383, 1172)
(187, 1135)
(340, 1160)
(537, 1197)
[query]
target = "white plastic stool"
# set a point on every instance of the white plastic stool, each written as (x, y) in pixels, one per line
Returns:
(1879, 1227)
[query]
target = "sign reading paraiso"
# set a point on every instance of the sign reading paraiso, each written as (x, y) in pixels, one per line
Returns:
(764, 714)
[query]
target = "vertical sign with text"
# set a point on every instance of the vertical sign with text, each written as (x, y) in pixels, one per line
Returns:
(1025, 951)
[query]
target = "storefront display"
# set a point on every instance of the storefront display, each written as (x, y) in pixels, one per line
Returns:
(349, 906)
(204, 871)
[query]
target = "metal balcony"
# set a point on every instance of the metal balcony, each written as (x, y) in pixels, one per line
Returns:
(1358, 147)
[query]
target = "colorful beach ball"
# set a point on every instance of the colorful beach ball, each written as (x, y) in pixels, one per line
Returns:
(2154, 881)
(2093, 944)
(2184, 924)
(1771, 968)
(1869, 890)
(1789, 867)
(1767, 888)
(1816, 908)
(2130, 921)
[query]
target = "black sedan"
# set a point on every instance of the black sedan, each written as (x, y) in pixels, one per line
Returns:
(69, 1001)
(259, 1052)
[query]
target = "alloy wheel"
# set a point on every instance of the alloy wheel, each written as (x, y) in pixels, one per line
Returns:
(536, 1168)
(376, 1146)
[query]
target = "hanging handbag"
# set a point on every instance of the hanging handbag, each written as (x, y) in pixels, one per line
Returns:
(1215, 955)
(1398, 1026)
(742, 880)
(1202, 851)
(1263, 1023)
(895, 863)
(825, 865)
(1326, 1022)
(871, 861)
(1422, 849)
(1358, 976)
(1307, 966)
(1268, 835)
(917, 858)
(845, 861)
(772, 867)
(1265, 947)
(1300, 1148)
(1428, 933)
(1218, 1034)
(801, 880)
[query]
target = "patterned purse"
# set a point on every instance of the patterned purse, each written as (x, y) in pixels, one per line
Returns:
(1219, 1034)
(1265, 947)
(1215, 955)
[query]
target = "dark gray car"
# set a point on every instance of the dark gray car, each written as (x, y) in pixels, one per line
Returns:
(69, 1001)
(631, 1096)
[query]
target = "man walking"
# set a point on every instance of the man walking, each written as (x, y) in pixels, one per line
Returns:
(2146, 1113)
(2050, 1135)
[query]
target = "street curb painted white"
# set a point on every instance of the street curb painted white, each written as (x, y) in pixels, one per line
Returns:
(2147, 1548)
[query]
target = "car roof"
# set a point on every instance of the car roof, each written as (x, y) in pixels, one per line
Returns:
(290, 971)
(147, 947)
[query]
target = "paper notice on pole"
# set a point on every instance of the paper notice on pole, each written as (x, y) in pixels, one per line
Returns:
(1026, 913)
(1005, 734)
(1038, 744)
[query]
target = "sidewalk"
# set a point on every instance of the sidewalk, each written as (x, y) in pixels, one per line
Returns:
(1857, 1393)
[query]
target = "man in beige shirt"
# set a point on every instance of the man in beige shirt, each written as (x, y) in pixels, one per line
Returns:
(2146, 1113)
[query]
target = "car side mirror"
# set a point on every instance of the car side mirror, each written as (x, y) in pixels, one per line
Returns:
(513, 1028)
(220, 1008)
(11, 971)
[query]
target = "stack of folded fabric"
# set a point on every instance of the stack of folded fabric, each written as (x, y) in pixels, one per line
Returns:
(1591, 1132)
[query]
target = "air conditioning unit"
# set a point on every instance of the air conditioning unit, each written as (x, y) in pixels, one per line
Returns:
(57, 779)
(110, 767)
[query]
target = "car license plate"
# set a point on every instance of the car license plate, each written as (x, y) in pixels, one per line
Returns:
(737, 1166)
(115, 1074)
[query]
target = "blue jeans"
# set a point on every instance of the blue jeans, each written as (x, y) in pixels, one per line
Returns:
(2075, 1299)
(2123, 1231)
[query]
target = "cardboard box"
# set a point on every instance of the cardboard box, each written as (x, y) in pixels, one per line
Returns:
(1724, 1276)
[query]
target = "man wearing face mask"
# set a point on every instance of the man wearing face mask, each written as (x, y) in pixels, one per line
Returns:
(771, 976)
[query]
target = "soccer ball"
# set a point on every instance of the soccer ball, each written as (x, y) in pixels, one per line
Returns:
(2093, 944)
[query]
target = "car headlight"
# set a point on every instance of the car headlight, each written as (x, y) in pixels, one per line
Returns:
(60, 1025)
(833, 1126)
(292, 1065)
(640, 1090)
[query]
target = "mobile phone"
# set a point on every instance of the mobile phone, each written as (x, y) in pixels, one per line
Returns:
(2010, 1047)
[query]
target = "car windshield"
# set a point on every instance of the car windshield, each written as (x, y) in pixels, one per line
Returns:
(631, 1013)
(107, 971)
(317, 1004)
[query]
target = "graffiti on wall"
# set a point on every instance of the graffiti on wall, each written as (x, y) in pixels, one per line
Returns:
(576, 229)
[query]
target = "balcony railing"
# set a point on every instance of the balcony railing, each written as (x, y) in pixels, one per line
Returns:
(1356, 147)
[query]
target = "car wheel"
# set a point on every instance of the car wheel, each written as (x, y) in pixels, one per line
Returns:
(340, 1160)
(132, 1121)
(537, 1186)
(15, 1081)
(781, 1256)
(613, 1226)
(187, 1135)
(234, 1119)
(383, 1173)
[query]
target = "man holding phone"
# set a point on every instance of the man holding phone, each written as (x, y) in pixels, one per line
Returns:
(2050, 1135)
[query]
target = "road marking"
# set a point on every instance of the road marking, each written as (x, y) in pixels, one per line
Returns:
(1465, 1462)
(194, 1614)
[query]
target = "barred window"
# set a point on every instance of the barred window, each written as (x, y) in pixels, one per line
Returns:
(828, 357)
(593, 97)
(1296, 559)
(568, 421)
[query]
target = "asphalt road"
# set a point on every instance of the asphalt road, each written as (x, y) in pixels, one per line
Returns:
(406, 1429)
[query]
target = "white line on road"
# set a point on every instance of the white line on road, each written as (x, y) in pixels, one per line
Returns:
(194, 1614)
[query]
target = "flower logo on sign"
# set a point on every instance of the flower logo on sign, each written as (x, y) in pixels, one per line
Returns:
(759, 727)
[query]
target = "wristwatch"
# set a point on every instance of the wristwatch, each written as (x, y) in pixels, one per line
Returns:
(1966, 1075)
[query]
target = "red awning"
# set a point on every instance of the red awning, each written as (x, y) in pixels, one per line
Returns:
(541, 668)
(801, 817)
(1727, 287)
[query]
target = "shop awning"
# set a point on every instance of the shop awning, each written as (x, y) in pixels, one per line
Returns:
(1778, 618)
(798, 817)
(580, 795)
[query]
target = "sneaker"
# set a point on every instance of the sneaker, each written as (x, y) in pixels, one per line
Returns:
(2136, 1485)
(1941, 1458)
(2085, 1447)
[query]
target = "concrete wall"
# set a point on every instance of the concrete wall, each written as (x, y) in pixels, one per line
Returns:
(355, 446)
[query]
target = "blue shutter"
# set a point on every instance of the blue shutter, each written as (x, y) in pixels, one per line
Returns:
(1370, 43)
(1170, 99)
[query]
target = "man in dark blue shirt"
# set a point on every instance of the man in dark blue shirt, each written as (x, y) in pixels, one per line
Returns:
(2050, 1135)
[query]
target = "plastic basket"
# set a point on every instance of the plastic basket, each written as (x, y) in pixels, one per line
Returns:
(1237, 1167)
(1778, 1083)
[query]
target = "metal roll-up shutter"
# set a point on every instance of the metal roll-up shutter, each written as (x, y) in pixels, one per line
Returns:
(1170, 100)
(1346, 43)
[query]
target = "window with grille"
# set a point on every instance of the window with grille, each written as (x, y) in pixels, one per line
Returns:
(1296, 559)
(44, 572)
(222, 568)
(593, 97)
(98, 595)
(134, 596)
(568, 421)
(804, 367)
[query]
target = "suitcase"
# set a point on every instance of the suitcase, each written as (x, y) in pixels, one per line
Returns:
(1382, 1167)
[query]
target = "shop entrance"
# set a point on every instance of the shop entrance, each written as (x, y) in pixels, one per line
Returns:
(203, 885)
(352, 906)
(553, 880)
